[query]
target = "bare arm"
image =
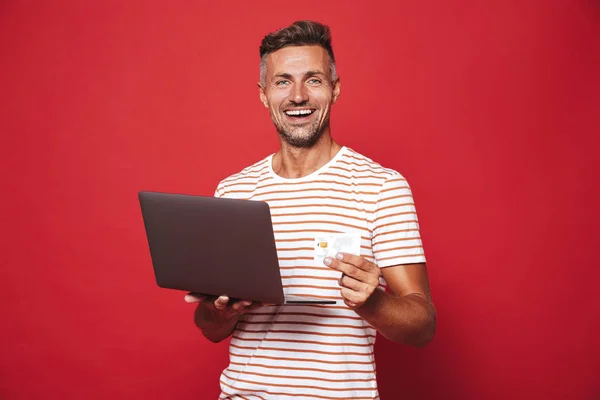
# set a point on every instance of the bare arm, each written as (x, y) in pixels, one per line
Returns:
(216, 317)
(406, 315)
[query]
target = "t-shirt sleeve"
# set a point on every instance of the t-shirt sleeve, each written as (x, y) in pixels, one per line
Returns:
(396, 237)
(219, 190)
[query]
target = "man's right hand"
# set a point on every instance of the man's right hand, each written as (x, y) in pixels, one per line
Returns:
(219, 308)
(217, 316)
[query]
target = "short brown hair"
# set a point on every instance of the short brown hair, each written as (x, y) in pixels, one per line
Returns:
(300, 33)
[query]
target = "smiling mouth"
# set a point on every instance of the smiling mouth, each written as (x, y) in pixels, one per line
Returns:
(299, 113)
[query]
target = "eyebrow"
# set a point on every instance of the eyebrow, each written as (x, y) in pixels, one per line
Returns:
(307, 74)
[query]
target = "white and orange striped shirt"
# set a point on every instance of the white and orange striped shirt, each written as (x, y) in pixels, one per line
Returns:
(318, 351)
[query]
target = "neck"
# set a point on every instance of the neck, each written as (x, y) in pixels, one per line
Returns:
(296, 162)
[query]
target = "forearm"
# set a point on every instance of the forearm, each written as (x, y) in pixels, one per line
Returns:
(213, 330)
(410, 319)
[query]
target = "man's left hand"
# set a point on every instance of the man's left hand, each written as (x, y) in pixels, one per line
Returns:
(360, 278)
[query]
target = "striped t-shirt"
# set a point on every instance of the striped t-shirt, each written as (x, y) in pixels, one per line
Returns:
(318, 351)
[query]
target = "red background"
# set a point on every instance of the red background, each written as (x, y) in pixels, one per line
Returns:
(490, 109)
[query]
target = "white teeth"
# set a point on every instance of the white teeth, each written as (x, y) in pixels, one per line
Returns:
(299, 112)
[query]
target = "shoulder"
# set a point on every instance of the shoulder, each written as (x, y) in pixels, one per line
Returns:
(359, 162)
(247, 175)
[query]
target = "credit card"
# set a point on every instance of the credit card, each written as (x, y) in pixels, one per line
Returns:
(329, 245)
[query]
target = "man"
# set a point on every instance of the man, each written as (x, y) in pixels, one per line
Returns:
(315, 187)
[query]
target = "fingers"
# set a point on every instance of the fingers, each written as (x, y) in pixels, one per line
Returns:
(194, 298)
(247, 305)
(349, 290)
(353, 297)
(238, 306)
(355, 267)
(221, 302)
(241, 305)
(357, 261)
(360, 278)
(356, 285)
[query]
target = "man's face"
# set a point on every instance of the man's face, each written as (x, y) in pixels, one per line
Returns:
(299, 93)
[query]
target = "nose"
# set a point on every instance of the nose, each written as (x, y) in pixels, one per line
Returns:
(299, 94)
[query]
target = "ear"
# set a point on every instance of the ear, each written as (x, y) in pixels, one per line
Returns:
(263, 96)
(337, 86)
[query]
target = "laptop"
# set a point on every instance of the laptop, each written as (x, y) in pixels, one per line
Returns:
(215, 246)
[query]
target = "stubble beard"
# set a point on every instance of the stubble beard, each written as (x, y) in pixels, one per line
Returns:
(305, 136)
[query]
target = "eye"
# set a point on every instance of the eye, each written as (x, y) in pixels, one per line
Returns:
(282, 82)
(314, 81)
